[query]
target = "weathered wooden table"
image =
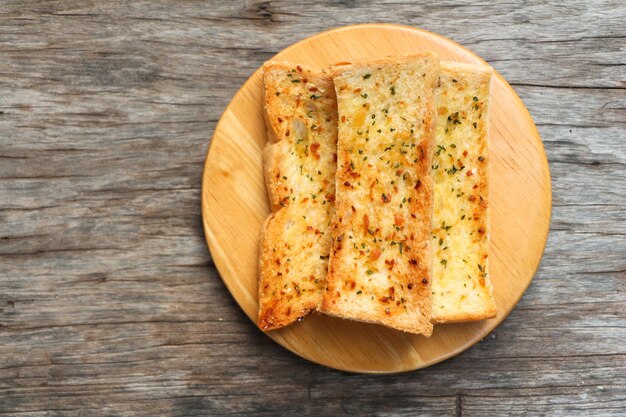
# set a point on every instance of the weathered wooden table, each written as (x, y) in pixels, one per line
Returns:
(109, 302)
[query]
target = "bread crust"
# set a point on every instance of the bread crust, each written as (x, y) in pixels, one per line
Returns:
(380, 264)
(462, 290)
(298, 166)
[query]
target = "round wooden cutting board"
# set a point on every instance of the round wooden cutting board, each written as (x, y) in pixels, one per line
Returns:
(234, 204)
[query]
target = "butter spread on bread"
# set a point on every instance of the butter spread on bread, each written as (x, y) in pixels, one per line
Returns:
(380, 261)
(299, 167)
(461, 288)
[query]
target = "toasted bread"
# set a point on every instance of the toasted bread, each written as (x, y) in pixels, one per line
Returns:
(461, 287)
(380, 261)
(299, 167)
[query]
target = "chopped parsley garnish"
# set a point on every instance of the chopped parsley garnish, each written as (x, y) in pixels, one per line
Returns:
(454, 118)
(453, 169)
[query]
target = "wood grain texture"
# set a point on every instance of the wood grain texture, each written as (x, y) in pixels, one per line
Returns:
(235, 203)
(110, 304)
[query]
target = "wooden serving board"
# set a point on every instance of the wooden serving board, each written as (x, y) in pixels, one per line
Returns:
(234, 204)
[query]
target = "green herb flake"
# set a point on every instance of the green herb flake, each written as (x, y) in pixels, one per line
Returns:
(453, 169)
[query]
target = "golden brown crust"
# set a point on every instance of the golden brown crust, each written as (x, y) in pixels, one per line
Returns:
(342, 68)
(461, 287)
(380, 266)
(298, 164)
(466, 317)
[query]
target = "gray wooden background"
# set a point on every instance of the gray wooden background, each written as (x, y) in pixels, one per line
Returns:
(109, 302)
